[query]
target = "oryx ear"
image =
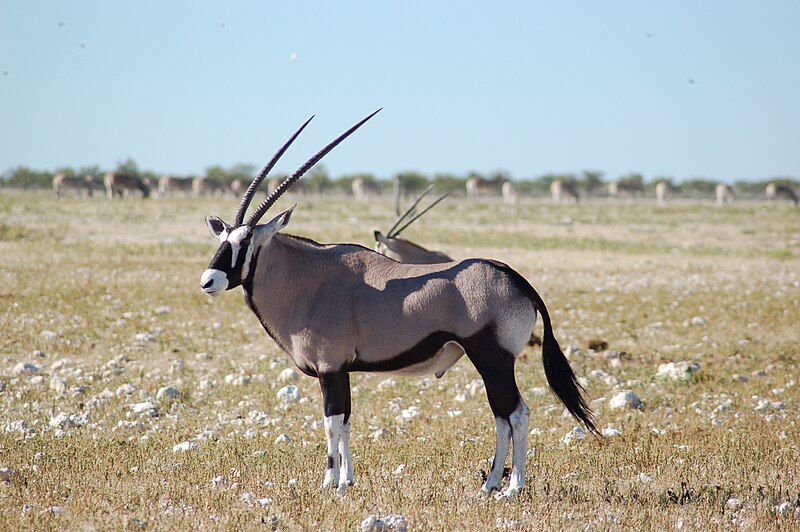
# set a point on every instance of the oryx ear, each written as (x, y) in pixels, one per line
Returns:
(277, 223)
(379, 237)
(216, 225)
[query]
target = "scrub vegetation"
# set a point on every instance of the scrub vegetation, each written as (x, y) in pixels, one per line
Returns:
(130, 400)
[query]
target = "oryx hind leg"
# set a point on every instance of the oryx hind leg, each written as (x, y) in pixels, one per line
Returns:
(336, 401)
(496, 367)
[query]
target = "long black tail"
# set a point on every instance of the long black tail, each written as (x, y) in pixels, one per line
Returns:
(559, 374)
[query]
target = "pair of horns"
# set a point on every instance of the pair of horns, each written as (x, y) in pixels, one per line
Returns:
(393, 232)
(289, 181)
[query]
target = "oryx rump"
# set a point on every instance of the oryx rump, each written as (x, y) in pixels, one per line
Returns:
(330, 307)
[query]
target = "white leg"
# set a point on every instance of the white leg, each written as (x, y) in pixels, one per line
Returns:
(346, 467)
(495, 478)
(519, 433)
(333, 431)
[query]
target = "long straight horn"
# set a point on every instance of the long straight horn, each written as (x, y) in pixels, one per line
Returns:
(251, 190)
(429, 207)
(408, 211)
(289, 181)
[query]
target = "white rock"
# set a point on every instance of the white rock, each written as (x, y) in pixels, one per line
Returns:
(625, 399)
(162, 310)
(644, 478)
(7, 475)
(610, 432)
(379, 434)
(58, 386)
(25, 368)
(677, 371)
(383, 524)
(237, 380)
(475, 387)
(283, 438)
(576, 435)
(288, 395)
(185, 447)
(49, 335)
(168, 393)
(783, 509)
(733, 503)
(144, 409)
(126, 390)
(288, 375)
(699, 321)
(386, 384)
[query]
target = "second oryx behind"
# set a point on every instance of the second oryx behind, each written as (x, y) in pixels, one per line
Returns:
(343, 308)
(403, 250)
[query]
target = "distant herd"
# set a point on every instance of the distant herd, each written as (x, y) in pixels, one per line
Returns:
(116, 184)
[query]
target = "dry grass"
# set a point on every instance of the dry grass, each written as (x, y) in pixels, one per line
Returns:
(103, 299)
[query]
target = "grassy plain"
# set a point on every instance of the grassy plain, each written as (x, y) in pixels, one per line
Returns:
(101, 299)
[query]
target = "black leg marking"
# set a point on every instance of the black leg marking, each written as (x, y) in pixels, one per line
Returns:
(496, 367)
(336, 394)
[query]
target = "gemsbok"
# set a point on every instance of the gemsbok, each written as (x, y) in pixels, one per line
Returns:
(79, 185)
(209, 186)
(342, 308)
(478, 186)
(403, 250)
(663, 192)
(563, 190)
(725, 193)
(168, 186)
(363, 188)
(122, 185)
(625, 190)
(779, 190)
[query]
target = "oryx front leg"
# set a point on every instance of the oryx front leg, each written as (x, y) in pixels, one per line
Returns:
(336, 400)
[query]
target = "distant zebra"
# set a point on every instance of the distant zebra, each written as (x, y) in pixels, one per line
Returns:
(118, 184)
(362, 188)
(63, 183)
(663, 192)
(724, 193)
(174, 185)
(478, 186)
(778, 190)
(625, 190)
(563, 190)
(208, 186)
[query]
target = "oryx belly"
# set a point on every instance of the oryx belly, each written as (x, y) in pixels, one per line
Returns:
(444, 359)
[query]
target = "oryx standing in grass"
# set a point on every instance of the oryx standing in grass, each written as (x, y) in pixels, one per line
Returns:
(664, 192)
(725, 193)
(77, 184)
(479, 186)
(565, 190)
(340, 308)
(208, 186)
(122, 185)
(169, 185)
(779, 190)
(403, 250)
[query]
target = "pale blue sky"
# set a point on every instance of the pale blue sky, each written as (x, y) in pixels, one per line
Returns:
(671, 88)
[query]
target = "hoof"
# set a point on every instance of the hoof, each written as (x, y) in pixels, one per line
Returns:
(508, 494)
(487, 489)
